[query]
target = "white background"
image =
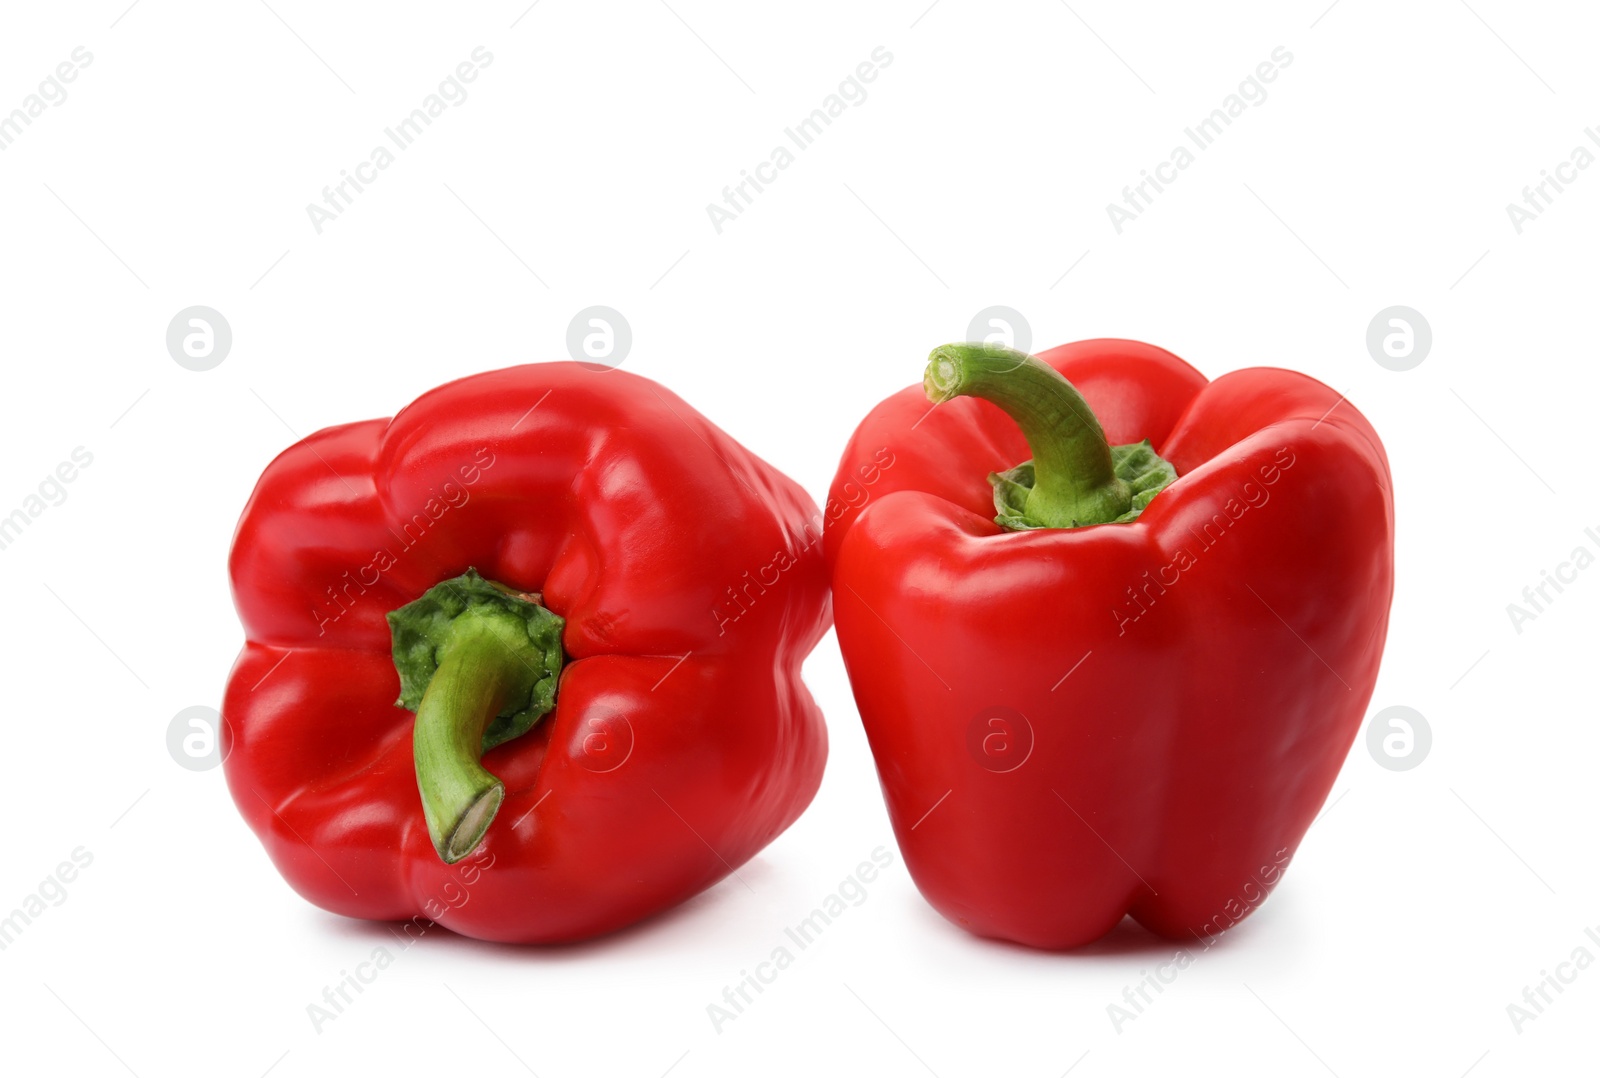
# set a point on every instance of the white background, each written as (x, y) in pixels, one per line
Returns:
(976, 172)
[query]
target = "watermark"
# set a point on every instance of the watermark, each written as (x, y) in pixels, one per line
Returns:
(604, 740)
(51, 892)
(1536, 198)
(853, 493)
(851, 93)
(755, 584)
(1399, 338)
(450, 93)
(1138, 997)
(51, 492)
(1537, 598)
(52, 93)
(199, 338)
(851, 892)
(1537, 996)
(1004, 326)
(1251, 894)
(338, 997)
(1251, 495)
(741, 598)
(343, 597)
(1000, 739)
(1399, 738)
(1251, 93)
(599, 338)
(192, 738)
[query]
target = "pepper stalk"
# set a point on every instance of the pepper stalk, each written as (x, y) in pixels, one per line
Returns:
(1076, 477)
(479, 664)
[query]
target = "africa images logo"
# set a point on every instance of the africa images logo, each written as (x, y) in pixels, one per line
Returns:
(1208, 534)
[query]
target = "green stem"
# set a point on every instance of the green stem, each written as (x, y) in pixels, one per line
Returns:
(479, 664)
(1074, 482)
(479, 671)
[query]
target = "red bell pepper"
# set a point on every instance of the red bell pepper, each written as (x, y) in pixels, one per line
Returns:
(627, 665)
(1119, 678)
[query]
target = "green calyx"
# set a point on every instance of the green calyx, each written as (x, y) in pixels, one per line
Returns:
(479, 664)
(1143, 472)
(1076, 478)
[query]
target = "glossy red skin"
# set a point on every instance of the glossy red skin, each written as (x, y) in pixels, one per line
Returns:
(1175, 771)
(632, 514)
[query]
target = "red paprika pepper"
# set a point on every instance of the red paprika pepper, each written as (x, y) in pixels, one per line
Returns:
(1119, 677)
(607, 720)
